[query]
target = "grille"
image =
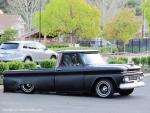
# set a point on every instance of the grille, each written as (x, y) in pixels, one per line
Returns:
(133, 78)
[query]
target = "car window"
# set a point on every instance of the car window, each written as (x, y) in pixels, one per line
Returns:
(29, 46)
(40, 46)
(71, 60)
(92, 59)
(9, 46)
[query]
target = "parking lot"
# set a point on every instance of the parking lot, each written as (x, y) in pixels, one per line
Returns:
(138, 102)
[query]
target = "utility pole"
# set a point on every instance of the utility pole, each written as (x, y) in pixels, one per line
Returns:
(143, 22)
(40, 21)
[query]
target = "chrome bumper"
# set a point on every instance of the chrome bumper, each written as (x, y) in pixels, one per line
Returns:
(131, 85)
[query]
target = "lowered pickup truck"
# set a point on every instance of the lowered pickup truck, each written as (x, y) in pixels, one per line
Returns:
(77, 71)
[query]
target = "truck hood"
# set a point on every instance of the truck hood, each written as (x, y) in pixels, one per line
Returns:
(114, 67)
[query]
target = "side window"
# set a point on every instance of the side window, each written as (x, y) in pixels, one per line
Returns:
(71, 60)
(29, 46)
(40, 46)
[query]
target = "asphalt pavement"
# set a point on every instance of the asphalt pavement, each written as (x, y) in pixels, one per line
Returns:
(138, 102)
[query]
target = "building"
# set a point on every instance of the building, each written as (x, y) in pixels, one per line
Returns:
(14, 22)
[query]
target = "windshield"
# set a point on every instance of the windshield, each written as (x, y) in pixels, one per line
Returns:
(92, 59)
(9, 46)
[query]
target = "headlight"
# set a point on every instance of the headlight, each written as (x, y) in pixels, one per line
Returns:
(126, 79)
(141, 77)
(124, 71)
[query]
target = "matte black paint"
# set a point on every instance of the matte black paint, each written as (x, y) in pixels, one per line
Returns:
(65, 79)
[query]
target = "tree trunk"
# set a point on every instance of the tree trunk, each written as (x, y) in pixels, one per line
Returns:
(72, 40)
(45, 40)
(124, 47)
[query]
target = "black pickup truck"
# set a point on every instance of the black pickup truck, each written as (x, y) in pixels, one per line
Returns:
(80, 71)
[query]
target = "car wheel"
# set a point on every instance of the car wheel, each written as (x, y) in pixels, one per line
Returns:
(27, 59)
(27, 88)
(104, 88)
(53, 57)
(126, 92)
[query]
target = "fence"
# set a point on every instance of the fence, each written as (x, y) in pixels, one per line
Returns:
(134, 45)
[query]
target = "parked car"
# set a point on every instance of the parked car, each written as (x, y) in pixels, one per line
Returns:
(25, 51)
(77, 71)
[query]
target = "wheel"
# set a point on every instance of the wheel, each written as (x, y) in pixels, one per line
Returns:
(126, 92)
(27, 88)
(53, 57)
(104, 88)
(28, 59)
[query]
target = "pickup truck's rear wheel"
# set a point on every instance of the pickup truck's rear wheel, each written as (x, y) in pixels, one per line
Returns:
(126, 92)
(104, 88)
(27, 88)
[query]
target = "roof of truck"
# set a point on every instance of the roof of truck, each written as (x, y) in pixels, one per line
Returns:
(77, 51)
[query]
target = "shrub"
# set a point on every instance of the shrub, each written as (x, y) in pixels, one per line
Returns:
(148, 60)
(58, 45)
(116, 61)
(144, 61)
(136, 61)
(3, 67)
(113, 61)
(125, 60)
(29, 65)
(48, 63)
(16, 65)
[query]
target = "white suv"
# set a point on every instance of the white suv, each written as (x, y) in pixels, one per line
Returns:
(25, 51)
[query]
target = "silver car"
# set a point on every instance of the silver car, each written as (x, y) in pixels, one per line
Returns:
(25, 51)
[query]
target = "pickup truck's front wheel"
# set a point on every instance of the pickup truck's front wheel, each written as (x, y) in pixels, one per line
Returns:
(27, 88)
(104, 88)
(126, 92)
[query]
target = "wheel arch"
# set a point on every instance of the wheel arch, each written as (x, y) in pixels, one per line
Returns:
(101, 78)
(28, 56)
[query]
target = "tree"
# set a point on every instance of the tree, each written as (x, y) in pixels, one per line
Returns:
(123, 27)
(25, 8)
(109, 8)
(136, 4)
(3, 4)
(146, 8)
(75, 18)
(9, 35)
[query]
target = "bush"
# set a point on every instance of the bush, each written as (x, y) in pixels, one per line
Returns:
(144, 61)
(3, 67)
(148, 60)
(116, 61)
(48, 63)
(29, 65)
(16, 65)
(125, 60)
(58, 45)
(136, 61)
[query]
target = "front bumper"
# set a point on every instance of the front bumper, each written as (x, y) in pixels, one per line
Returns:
(132, 85)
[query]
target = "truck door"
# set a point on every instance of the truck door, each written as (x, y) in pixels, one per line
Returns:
(69, 76)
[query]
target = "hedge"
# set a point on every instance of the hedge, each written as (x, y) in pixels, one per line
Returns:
(3, 66)
(48, 63)
(16, 65)
(118, 61)
(29, 65)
